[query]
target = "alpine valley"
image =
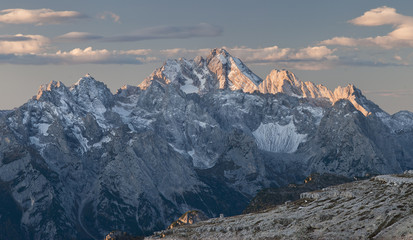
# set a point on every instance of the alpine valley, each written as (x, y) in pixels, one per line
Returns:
(204, 134)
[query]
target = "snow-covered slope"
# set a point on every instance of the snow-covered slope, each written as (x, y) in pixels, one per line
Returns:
(277, 138)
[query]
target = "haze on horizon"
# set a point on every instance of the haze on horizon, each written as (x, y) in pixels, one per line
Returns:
(368, 44)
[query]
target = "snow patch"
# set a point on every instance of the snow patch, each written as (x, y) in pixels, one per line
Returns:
(189, 87)
(43, 127)
(273, 137)
(83, 142)
(176, 149)
(105, 139)
(201, 124)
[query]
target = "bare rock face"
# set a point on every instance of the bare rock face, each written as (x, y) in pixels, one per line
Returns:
(379, 208)
(79, 162)
(190, 217)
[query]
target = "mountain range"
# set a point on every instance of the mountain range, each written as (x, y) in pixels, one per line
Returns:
(207, 134)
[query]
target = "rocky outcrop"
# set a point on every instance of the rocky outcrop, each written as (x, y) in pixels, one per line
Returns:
(190, 217)
(369, 209)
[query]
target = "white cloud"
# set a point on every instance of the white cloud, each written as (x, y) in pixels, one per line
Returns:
(276, 54)
(310, 58)
(402, 36)
(315, 53)
(97, 56)
(115, 17)
(78, 37)
(86, 55)
(37, 16)
(398, 58)
(380, 16)
(22, 44)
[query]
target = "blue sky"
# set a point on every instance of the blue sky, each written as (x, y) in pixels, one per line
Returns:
(366, 43)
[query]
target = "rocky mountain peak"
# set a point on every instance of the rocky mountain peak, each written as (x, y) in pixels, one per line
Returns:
(231, 72)
(218, 51)
(188, 75)
(356, 97)
(218, 71)
(92, 94)
(285, 75)
(52, 86)
(345, 92)
(54, 92)
(282, 81)
(88, 82)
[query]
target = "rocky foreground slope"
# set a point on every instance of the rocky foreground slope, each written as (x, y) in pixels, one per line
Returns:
(271, 197)
(379, 208)
(77, 162)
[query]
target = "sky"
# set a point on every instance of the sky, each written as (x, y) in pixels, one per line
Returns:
(366, 43)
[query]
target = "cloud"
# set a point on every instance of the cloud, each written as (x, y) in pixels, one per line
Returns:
(170, 32)
(398, 58)
(22, 44)
(380, 16)
(261, 55)
(81, 56)
(136, 52)
(310, 58)
(78, 37)
(14, 38)
(86, 55)
(37, 16)
(101, 56)
(402, 36)
(115, 17)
